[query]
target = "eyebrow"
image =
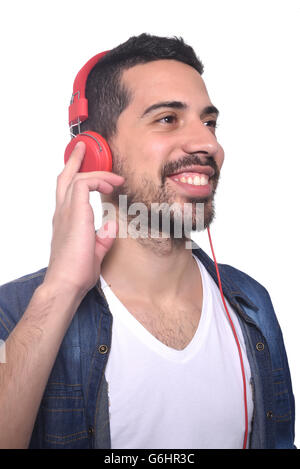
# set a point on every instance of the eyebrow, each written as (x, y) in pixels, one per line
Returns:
(179, 105)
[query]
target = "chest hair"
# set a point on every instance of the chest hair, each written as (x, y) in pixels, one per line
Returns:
(174, 327)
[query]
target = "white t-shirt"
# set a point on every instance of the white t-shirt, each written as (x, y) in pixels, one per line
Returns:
(162, 398)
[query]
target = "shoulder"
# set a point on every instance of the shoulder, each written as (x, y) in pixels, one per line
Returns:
(243, 281)
(236, 281)
(243, 284)
(15, 297)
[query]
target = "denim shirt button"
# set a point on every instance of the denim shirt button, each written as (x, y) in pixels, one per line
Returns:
(91, 430)
(269, 414)
(260, 346)
(102, 349)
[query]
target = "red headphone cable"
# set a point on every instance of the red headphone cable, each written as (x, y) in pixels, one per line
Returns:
(236, 340)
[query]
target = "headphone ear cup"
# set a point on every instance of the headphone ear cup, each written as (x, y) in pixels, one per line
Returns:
(97, 156)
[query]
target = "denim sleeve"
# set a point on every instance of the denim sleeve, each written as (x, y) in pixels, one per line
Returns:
(14, 299)
(8, 311)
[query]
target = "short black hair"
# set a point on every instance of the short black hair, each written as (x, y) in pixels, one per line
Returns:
(107, 95)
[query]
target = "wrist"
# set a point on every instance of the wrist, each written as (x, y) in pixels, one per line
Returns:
(54, 299)
(62, 288)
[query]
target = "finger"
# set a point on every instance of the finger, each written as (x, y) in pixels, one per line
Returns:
(106, 182)
(73, 164)
(78, 192)
(70, 170)
(113, 178)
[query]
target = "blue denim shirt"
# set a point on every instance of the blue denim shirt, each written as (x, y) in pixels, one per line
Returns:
(73, 412)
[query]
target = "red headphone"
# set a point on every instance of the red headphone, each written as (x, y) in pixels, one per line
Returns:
(97, 155)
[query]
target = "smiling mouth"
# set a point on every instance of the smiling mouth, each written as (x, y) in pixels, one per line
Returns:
(194, 182)
(196, 175)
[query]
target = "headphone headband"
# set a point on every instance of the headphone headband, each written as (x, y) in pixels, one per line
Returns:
(78, 109)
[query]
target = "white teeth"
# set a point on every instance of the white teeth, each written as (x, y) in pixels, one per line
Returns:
(198, 180)
(203, 180)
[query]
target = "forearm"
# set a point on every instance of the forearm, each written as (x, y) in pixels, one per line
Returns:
(31, 350)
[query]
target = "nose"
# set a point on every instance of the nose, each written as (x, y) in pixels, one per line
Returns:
(198, 137)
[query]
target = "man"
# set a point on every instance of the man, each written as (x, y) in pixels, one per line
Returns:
(123, 342)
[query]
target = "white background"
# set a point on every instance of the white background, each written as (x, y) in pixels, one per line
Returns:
(250, 50)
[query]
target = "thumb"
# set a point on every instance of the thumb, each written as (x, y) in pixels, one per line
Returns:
(105, 237)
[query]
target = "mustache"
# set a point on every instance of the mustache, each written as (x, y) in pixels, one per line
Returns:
(187, 161)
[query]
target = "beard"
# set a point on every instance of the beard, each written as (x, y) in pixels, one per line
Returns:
(159, 198)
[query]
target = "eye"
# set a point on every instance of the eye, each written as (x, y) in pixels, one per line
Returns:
(167, 119)
(211, 123)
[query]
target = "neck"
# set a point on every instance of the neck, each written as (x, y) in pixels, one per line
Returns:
(151, 266)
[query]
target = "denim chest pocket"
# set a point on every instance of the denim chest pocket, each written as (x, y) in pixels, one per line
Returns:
(281, 395)
(62, 414)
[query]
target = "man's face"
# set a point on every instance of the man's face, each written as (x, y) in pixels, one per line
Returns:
(165, 145)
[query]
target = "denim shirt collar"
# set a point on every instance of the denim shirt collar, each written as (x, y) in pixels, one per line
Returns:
(230, 289)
